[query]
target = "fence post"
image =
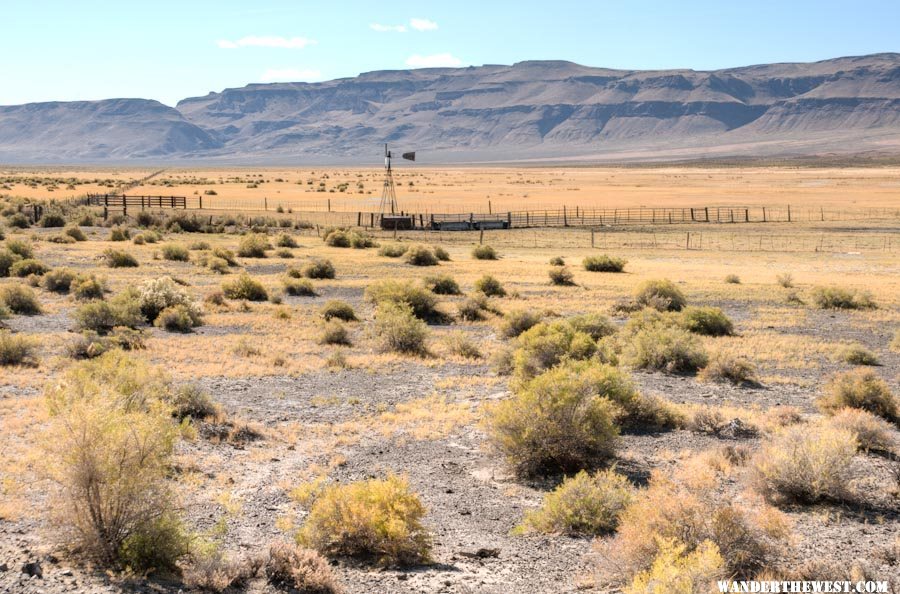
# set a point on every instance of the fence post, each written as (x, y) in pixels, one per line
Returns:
(265, 203)
(789, 213)
(329, 205)
(565, 220)
(481, 237)
(489, 207)
(706, 210)
(201, 201)
(359, 219)
(592, 237)
(508, 220)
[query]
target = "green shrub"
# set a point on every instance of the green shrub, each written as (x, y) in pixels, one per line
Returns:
(458, 343)
(344, 239)
(860, 388)
(87, 287)
(709, 321)
(441, 254)
(52, 220)
(7, 260)
(109, 452)
(245, 287)
(490, 286)
(398, 330)
(175, 252)
(339, 310)
(546, 345)
(678, 569)
(20, 299)
(442, 285)
(392, 250)
(89, 344)
(857, 354)
(806, 464)
(516, 322)
(118, 234)
(18, 220)
(583, 504)
(595, 325)
(563, 420)
(27, 267)
(474, 308)
(724, 367)
(253, 245)
(334, 332)
(20, 248)
(119, 259)
(226, 255)
(286, 241)
(197, 246)
(298, 287)
(484, 252)
(420, 255)
(378, 519)
(840, 298)
(662, 295)
(59, 280)
(102, 316)
(163, 293)
(176, 318)
(561, 276)
(16, 349)
(217, 265)
(604, 264)
(422, 302)
(656, 343)
(318, 269)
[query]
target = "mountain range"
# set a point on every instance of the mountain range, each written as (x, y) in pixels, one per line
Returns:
(532, 111)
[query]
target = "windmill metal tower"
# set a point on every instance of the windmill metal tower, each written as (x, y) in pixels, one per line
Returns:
(388, 193)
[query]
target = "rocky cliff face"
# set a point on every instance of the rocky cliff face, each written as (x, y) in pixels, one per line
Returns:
(530, 110)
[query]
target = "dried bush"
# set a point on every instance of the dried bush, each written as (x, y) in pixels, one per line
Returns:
(662, 295)
(708, 321)
(376, 519)
(16, 349)
(20, 247)
(334, 332)
(392, 250)
(422, 301)
(516, 322)
(299, 569)
(872, 433)
(7, 259)
(857, 354)
(335, 309)
(245, 287)
(286, 241)
(27, 267)
(59, 280)
(785, 279)
(583, 504)
(862, 389)
(732, 279)
(604, 264)
(420, 255)
(298, 287)
(473, 308)
(841, 298)
(20, 299)
(484, 252)
(319, 269)
(213, 571)
(441, 254)
(90, 344)
(561, 276)
(725, 367)
(175, 252)
(190, 400)
(895, 342)
(653, 341)
(490, 286)
(675, 569)
(176, 318)
(557, 261)
(458, 343)
(442, 285)
(398, 329)
(118, 234)
(88, 287)
(562, 420)
(806, 464)
(253, 245)
(119, 259)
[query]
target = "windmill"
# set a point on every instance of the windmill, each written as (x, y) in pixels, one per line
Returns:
(388, 194)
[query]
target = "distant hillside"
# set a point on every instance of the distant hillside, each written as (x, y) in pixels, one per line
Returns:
(538, 110)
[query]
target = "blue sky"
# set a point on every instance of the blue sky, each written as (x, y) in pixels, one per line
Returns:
(167, 50)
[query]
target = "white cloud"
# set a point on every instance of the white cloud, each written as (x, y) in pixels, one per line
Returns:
(434, 61)
(267, 41)
(422, 24)
(388, 28)
(289, 75)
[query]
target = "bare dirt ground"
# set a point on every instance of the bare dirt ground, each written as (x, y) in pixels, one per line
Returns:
(421, 417)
